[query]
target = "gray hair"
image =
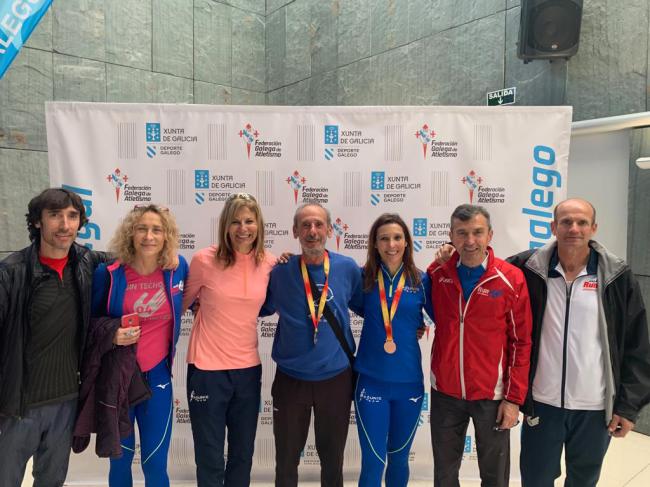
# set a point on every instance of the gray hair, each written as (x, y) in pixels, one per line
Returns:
(311, 203)
(467, 212)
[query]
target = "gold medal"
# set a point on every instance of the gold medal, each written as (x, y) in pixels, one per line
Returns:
(389, 346)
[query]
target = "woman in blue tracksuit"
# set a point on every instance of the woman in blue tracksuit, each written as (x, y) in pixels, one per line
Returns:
(147, 279)
(390, 389)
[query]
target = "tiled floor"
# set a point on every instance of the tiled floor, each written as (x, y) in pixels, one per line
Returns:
(627, 465)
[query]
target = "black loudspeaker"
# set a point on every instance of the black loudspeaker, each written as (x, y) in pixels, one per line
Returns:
(549, 29)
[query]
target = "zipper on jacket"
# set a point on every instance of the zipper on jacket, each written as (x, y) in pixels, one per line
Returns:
(174, 337)
(462, 312)
(391, 278)
(460, 342)
(565, 344)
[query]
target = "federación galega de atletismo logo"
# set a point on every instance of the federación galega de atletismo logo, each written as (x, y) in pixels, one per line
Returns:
(472, 180)
(425, 136)
(296, 181)
(118, 180)
(248, 135)
(339, 228)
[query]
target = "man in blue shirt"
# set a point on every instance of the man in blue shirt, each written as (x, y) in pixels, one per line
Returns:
(313, 369)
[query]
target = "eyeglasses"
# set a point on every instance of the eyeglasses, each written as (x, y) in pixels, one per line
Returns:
(152, 206)
(241, 196)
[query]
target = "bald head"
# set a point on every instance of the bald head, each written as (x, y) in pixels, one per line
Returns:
(586, 205)
(574, 226)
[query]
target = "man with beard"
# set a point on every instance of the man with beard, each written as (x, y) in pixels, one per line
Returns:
(314, 370)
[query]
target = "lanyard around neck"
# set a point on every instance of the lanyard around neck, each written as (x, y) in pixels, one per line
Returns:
(389, 345)
(315, 318)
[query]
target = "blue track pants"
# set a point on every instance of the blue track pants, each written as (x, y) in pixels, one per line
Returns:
(387, 418)
(154, 418)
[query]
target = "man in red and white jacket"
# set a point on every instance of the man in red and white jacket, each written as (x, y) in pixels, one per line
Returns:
(481, 351)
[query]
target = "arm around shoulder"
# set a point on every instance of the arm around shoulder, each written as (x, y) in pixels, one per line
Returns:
(519, 341)
(100, 286)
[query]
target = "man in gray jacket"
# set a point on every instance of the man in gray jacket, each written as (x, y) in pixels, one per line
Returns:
(590, 362)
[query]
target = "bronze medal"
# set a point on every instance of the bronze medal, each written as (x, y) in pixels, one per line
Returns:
(389, 346)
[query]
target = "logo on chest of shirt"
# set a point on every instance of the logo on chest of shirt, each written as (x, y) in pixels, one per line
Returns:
(446, 280)
(330, 296)
(178, 288)
(330, 293)
(146, 307)
(591, 285)
(490, 293)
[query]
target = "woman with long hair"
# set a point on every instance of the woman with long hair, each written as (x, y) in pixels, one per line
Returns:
(390, 387)
(145, 285)
(224, 369)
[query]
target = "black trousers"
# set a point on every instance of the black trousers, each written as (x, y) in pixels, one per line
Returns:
(293, 401)
(220, 401)
(583, 435)
(449, 420)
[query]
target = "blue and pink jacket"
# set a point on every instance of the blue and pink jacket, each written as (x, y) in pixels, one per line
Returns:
(109, 286)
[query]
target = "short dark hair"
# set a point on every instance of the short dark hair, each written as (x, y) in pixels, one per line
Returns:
(467, 212)
(52, 199)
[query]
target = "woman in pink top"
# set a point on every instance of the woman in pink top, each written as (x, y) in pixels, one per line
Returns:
(146, 282)
(224, 369)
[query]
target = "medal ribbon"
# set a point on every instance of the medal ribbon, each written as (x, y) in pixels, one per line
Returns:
(310, 298)
(384, 304)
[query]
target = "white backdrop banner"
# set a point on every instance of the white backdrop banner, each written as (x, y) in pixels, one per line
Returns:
(359, 162)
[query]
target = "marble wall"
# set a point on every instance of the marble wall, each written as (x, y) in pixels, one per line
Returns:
(172, 51)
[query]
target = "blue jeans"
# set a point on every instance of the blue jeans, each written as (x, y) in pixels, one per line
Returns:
(154, 418)
(221, 400)
(584, 435)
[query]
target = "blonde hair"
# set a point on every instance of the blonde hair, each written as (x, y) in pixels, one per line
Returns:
(225, 252)
(121, 245)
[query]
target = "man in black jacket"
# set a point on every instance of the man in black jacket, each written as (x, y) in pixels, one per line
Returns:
(590, 363)
(44, 312)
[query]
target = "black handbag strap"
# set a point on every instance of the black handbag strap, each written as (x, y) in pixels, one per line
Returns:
(331, 319)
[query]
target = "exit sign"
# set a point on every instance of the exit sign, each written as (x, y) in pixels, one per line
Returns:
(501, 97)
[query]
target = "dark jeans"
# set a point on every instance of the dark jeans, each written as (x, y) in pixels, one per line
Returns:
(221, 400)
(449, 420)
(45, 433)
(583, 434)
(293, 400)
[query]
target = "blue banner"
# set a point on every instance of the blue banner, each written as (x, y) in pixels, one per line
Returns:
(17, 21)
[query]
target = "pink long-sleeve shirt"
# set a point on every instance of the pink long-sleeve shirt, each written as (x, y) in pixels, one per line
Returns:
(224, 335)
